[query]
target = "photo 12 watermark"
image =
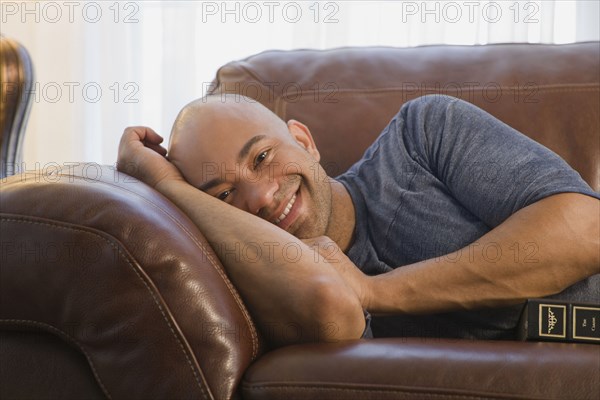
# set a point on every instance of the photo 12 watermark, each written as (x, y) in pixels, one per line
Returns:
(494, 252)
(470, 11)
(253, 12)
(55, 12)
(50, 252)
(63, 172)
(290, 332)
(73, 92)
(489, 92)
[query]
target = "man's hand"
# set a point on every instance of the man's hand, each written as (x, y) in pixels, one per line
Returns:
(352, 276)
(142, 156)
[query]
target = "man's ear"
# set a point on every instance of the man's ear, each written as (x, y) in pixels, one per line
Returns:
(302, 136)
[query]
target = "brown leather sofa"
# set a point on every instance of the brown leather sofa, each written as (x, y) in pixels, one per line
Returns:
(108, 290)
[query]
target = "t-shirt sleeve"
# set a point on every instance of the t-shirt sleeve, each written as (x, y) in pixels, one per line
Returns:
(489, 167)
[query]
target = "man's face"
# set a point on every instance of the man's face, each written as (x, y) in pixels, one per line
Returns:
(247, 157)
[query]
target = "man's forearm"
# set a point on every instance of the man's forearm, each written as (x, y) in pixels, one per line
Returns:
(539, 251)
(283, 281)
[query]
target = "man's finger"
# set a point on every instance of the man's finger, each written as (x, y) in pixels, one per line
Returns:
(142, 133)
(157, 148)
(152, 136)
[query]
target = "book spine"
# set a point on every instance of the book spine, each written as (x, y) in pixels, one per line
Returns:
(586, 323)
(552, 320)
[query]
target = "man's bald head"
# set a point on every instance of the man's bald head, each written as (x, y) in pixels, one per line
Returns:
(215, 120)
(218, 118)
(217, 112)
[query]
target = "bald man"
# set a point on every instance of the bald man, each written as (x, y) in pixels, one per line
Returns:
(348, 236)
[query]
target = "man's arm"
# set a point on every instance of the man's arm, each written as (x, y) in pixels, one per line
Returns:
(510, 183)
(538, 251)
(293, 295)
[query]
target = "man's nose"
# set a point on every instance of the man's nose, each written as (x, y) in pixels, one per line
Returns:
(259, 194)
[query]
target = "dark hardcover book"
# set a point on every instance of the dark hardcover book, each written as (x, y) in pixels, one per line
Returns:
(555, 320)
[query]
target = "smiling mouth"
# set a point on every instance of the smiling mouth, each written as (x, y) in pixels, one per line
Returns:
(286, 211)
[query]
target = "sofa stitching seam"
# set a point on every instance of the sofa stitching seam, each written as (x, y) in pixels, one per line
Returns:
(356, 390)
(221, 273)
(69, 338)
(124, 257)
(203, 248)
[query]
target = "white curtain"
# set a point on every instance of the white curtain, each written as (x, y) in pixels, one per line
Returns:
(104, 65)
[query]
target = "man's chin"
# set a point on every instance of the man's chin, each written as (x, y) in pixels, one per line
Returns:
(305, 230)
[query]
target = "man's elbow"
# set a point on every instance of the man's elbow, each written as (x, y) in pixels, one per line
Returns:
(339, 314)
(330, 313)
(581, 215)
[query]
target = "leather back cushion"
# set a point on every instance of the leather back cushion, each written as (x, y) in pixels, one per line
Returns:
(113, 268)
(346, 96)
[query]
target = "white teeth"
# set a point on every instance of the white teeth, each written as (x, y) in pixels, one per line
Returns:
(286, 211)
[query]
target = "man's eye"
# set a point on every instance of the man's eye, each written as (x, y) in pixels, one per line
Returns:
(224, 195)
(260, 158)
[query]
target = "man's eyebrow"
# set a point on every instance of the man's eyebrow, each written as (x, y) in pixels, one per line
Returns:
(210, 184)
(246, 148)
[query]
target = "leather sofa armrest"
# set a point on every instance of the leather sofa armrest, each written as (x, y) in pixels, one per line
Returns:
(113, 268)
(414, 368)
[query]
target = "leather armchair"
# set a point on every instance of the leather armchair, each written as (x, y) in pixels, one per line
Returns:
(16, 80)
(109, 290)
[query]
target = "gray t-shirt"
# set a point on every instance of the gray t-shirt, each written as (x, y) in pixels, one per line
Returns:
(441, 175)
